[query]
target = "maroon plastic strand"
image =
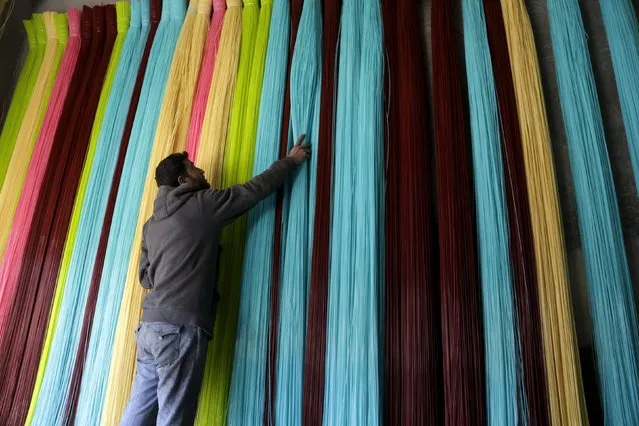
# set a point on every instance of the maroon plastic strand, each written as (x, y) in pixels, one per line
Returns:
(416, 239)
(393, 392)
(464, 392)
(412, 337)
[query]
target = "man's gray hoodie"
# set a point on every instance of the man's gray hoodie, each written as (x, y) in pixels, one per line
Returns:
(180, 245)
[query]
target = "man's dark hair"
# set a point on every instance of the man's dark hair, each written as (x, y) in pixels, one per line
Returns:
(170, 169)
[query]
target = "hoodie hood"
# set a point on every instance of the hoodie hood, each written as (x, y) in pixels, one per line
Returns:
(170, 199)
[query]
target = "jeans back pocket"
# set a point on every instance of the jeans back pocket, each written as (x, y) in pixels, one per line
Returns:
(163, 342)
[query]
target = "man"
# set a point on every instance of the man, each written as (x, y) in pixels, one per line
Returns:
(178, 264)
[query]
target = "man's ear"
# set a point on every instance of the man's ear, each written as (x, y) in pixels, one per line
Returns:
(182, 180)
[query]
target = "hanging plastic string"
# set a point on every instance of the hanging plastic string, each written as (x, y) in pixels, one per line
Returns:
(609, 286)
(29, 364)
(62, 178)
(339, 383)
(246, 403)
(129, 100)
(170, 137)
(67, 179)
(247, 147)
(315, 350)
(236, 169)
(622, 29)
(521, 237)
(392, 315)
(29, 129)
(353, 360)
(55, 381)
(57, 37)
(20, 98)
(500, 350)
(464, 395)
(79, 255)
(150, 15)
(534, 400)
(369, 223)
(285, 137)
(205, 78)
(99, 352)
(412, 382)
(246, 397)
(210, 153)
(305, 81)
(11, 293)
(23, 310)
(560, 342)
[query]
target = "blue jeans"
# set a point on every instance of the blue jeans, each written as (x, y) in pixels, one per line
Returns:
(170, 367)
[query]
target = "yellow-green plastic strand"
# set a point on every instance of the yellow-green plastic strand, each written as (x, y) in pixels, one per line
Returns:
(219, 368)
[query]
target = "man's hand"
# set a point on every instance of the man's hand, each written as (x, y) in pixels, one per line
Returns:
(301, 151)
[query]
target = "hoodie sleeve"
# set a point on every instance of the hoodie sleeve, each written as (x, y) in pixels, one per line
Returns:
(145, 280)
(231, 203)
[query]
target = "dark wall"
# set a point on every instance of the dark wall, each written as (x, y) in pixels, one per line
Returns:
(12, 52)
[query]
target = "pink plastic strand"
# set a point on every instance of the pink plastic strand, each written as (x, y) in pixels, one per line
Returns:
(25, 212)
(205, 78)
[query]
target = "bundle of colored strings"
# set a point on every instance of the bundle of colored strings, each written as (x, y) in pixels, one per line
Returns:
(12, 315)
(563, 375)
(315, 350)
(353, 359)
(237, 168)
(24, 306)
(127, 206)
(609, 286)
(170, 136)
(246, 398)
(500, 350)
(459, 282)
(285, 136)
(622, 29)
(50, 403)
(63, 175)
(210, 152)
(150, 16)
(412, 333)
(298, 223)
(30, 127)
(393, 400)
(79, 256)
(205, 78)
